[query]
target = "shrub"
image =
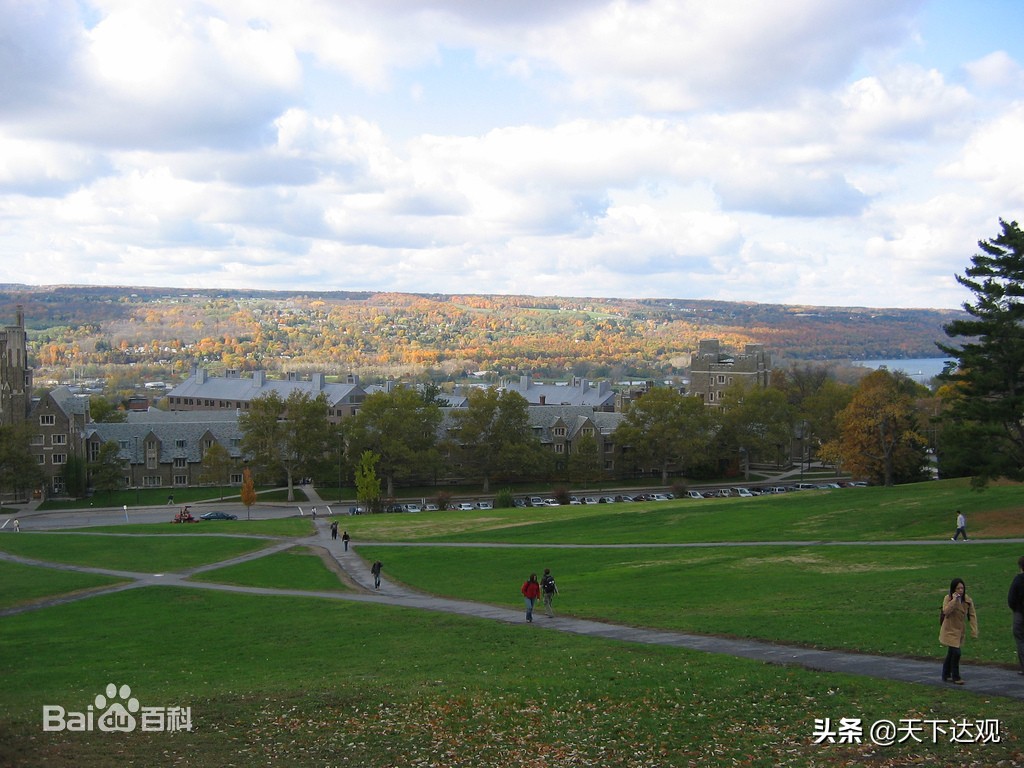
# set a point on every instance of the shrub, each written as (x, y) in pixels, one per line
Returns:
(504, 499)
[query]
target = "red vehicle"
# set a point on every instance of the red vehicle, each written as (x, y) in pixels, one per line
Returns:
(184, 516)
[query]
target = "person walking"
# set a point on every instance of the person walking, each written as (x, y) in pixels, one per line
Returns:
(314, 513)
(345, 539)
(531, 591)
(957, 612)
(961, 526)
(17, 526)
(375, 570)
(549, 590)
(1015, 601)
(334, 530)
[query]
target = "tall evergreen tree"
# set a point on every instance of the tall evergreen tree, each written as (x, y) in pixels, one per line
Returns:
(989, 379)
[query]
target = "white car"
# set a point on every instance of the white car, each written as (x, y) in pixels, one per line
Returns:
(659, 497)
(465, 506)
(484, 505)
(412, 507)
(589, 500)
(743, 493)
(551, 503)
(695, 494)
(430, 507)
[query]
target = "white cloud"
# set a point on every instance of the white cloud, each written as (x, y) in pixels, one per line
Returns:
(796, 152)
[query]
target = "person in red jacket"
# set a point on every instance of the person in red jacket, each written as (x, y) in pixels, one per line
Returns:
(531, 591)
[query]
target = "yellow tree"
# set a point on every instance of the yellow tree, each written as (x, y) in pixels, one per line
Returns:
(248, 491)
(879, 435)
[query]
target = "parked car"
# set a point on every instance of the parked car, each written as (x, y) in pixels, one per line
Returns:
(521, 503)
(575, 500)
(412, 507)
(589, 500)
(805, 486)
(484, 505)
(430, 507)
(536, 501)
(694, 494)
(465, 506)
(659, 497)
(743, 493)
(551, 503)
(606, 500)
(218, 516)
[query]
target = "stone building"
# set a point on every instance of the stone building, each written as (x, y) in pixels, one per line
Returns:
(713, 370)
(15, 374)
(231, 392)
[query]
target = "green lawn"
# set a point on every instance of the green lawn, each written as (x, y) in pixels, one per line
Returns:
(880, 599)
(26, 583)
(296, 568)
(281, 526)
(920, 511)
(314, 682)
(146, 554)
(308, 681)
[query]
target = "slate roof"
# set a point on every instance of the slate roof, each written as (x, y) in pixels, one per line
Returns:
(188, 427)
(235, 388)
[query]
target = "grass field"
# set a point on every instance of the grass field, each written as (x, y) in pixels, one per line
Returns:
(306, 681)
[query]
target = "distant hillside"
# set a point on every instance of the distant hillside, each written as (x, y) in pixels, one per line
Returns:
(167, 330)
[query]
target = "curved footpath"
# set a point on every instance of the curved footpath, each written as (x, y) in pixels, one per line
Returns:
(992, 681)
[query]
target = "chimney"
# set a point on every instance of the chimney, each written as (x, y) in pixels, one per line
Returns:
(259, 378)
(543, 400)
(317, 380)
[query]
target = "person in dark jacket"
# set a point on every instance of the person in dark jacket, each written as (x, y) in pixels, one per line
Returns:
(549, 590)
(1015, 601)
(531, 591)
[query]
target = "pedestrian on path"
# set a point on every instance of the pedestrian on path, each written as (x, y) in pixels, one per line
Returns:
(345, 538)
(314, 513)
(334, 530)
(961, 526)
(17, 526)
(531, 591)
(957, 612)
(1015, 601)
(549, 589)
(375, 570)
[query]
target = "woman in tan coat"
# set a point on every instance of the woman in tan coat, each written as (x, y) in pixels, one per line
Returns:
(957, 612)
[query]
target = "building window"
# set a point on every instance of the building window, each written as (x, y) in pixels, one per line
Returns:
(124, 445)
(559, 448)
(58, 439)
(179, 463)
(559, 431)
(47, 420)
(59, 458)
(236, 479)
(181, 480)
(587, 432)
(721, 379)
(41, 458)
(152, 481)
(94, 451)
(236, 442)
(609, 447)
(609, 465)
(38, 439)
(180, 443)
(58, 485)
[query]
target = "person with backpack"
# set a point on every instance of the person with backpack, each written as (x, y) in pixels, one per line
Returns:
(549, 589)
(531, 591)
(375, 570)
(957, 612)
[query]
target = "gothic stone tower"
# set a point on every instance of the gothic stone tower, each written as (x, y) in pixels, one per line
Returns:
(15, 375)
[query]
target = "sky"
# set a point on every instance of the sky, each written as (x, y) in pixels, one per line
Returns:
(827, 152)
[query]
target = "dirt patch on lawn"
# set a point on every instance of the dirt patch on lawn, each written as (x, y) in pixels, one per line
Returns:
(997, 523)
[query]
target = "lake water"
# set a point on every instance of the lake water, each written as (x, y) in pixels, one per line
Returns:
(921, 369)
